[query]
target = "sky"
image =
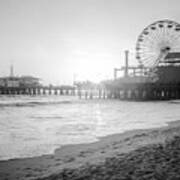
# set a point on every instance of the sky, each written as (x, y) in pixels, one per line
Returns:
(64, 40)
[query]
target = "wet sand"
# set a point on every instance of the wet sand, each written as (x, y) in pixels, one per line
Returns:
(139, 154)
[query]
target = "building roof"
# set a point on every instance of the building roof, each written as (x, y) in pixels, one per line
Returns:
(9, 78)
(173, 55)
(29, 78)
(19, 78)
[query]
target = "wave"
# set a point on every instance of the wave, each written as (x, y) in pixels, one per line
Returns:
(32, 103)
(46, 117)
(174, 102)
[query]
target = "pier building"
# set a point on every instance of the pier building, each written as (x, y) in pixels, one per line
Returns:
(29, 85)
(15, 82)
(157, 75)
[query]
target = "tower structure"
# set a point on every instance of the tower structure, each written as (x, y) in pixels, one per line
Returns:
(11, 71)
(126, 63)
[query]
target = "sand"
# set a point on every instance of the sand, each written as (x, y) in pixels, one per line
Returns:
(139, 154)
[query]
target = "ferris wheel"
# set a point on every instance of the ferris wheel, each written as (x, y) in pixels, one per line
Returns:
(156, 41)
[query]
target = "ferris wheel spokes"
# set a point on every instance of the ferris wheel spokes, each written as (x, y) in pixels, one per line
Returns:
(156, 41)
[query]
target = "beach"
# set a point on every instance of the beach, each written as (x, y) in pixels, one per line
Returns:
(136, 154)
(89, 90)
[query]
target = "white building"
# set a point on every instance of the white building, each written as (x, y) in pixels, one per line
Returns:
(24, 81)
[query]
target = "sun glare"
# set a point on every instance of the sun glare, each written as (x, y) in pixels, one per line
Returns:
(93, 69)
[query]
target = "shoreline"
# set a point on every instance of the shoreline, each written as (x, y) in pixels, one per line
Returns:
(75, 156)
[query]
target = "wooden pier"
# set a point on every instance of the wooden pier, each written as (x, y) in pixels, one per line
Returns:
(41, 90)
(145, 92)
(131, 91)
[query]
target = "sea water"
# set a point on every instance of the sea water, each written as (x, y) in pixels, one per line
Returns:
(36, 125)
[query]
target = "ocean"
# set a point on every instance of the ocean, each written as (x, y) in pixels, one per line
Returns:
(37, 125)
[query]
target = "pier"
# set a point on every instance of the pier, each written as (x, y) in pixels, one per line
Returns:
(41, 90)
(145, 92)
(153, 78)
(131, 91)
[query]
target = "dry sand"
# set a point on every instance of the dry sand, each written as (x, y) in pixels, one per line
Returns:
(139, 154)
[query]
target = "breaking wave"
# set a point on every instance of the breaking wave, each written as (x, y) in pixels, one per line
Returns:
(32, 103)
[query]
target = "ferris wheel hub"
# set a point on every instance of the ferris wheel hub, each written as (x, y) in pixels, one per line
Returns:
(165, 49)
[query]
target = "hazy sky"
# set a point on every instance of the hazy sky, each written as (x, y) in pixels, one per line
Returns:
(54, 39)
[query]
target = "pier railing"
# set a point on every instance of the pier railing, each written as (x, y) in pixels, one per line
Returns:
(37, 90)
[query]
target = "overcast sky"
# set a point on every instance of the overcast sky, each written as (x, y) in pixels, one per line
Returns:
(54, 39)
